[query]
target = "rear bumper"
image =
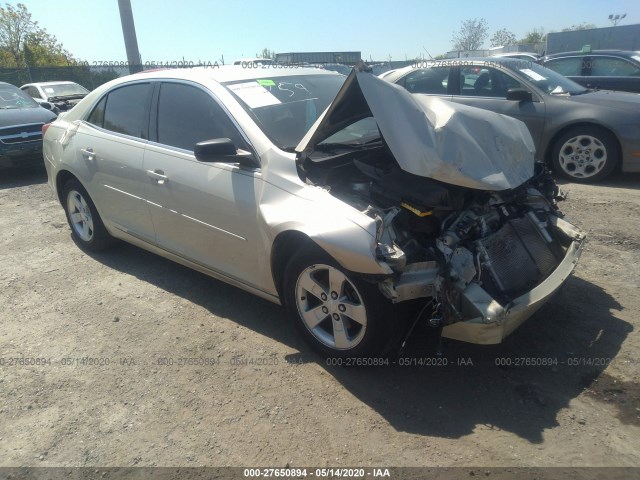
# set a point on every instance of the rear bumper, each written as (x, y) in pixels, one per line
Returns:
(491, 322)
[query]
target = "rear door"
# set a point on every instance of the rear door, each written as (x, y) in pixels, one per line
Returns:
(109, 149)
(429, 81)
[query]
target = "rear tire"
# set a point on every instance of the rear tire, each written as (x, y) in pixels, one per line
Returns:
(586, 154)
(338, 314)
(87, 228)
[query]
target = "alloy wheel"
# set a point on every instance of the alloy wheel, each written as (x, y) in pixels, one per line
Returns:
(80, 215)
(331, 307)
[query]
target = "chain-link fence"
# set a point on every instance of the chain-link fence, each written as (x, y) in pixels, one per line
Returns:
(91, 77)
(88, 77)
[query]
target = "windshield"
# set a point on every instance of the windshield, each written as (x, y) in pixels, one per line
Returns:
(12, 98)
(64, 90)
(545, 79)
(285, 108)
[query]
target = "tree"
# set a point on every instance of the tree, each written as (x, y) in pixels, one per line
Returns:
(23, 42)
(534, 36)
(266, 53)
(503, 38)
(472, 34)
(581, 26)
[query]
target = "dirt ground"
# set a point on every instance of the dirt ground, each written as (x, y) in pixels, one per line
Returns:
(143, 362)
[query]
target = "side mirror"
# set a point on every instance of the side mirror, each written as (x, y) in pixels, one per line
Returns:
(519, 95)
(223, 150)
(47, 105)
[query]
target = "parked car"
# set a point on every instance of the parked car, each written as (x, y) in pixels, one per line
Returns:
(21, 122)
(336, 206)
(62, 95)
(583, 133)
(602, 69)
(530, 56)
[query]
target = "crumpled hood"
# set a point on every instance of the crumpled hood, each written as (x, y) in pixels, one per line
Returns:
(431, 137)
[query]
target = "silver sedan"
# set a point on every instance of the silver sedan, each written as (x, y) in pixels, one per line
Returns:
(338, 197)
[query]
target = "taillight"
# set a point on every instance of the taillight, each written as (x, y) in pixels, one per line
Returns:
(45, 127)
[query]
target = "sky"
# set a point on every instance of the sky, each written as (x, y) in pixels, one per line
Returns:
(204, 31)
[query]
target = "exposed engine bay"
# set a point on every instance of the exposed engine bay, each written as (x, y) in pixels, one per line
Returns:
(444, 241)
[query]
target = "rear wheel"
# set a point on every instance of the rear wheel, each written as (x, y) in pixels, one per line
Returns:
(337, 314)
(86, 225)
(586, 154)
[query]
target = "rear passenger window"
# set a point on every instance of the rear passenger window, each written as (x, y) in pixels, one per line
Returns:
(97, 115)
(188, 115)
(428, 80)
(126, 110)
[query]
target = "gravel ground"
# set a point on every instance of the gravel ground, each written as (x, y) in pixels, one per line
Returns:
(147, 363)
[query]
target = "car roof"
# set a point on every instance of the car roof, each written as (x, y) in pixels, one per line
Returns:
(395, 75)
(622, 53)
(44, 84)
(228, 73)
(508, 54)
(461, 61)
(457, 62)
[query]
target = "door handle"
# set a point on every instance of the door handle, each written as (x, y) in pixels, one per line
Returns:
(88, 153)
(158, 176)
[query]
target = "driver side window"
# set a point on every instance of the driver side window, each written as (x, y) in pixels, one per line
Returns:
(188, 115)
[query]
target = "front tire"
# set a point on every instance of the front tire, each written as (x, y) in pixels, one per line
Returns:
(336, 313)
(586, 154)
(87, 228)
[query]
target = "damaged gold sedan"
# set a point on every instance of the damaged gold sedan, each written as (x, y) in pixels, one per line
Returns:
(339, 199)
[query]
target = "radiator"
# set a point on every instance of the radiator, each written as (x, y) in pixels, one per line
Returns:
(515, 259)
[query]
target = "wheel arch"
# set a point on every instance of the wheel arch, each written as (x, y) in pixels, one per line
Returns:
(63, 177)
(552, 142)
(284, 247)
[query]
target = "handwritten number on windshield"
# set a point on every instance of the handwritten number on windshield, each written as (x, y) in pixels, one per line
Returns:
(296, 88)
(280, 87)
(302, 87)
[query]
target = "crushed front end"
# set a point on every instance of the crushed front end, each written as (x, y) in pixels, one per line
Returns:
(492, 265)
(465, 218)
(481, 261)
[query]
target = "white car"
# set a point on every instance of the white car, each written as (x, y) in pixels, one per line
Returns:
(337, 198)
(62, 95)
